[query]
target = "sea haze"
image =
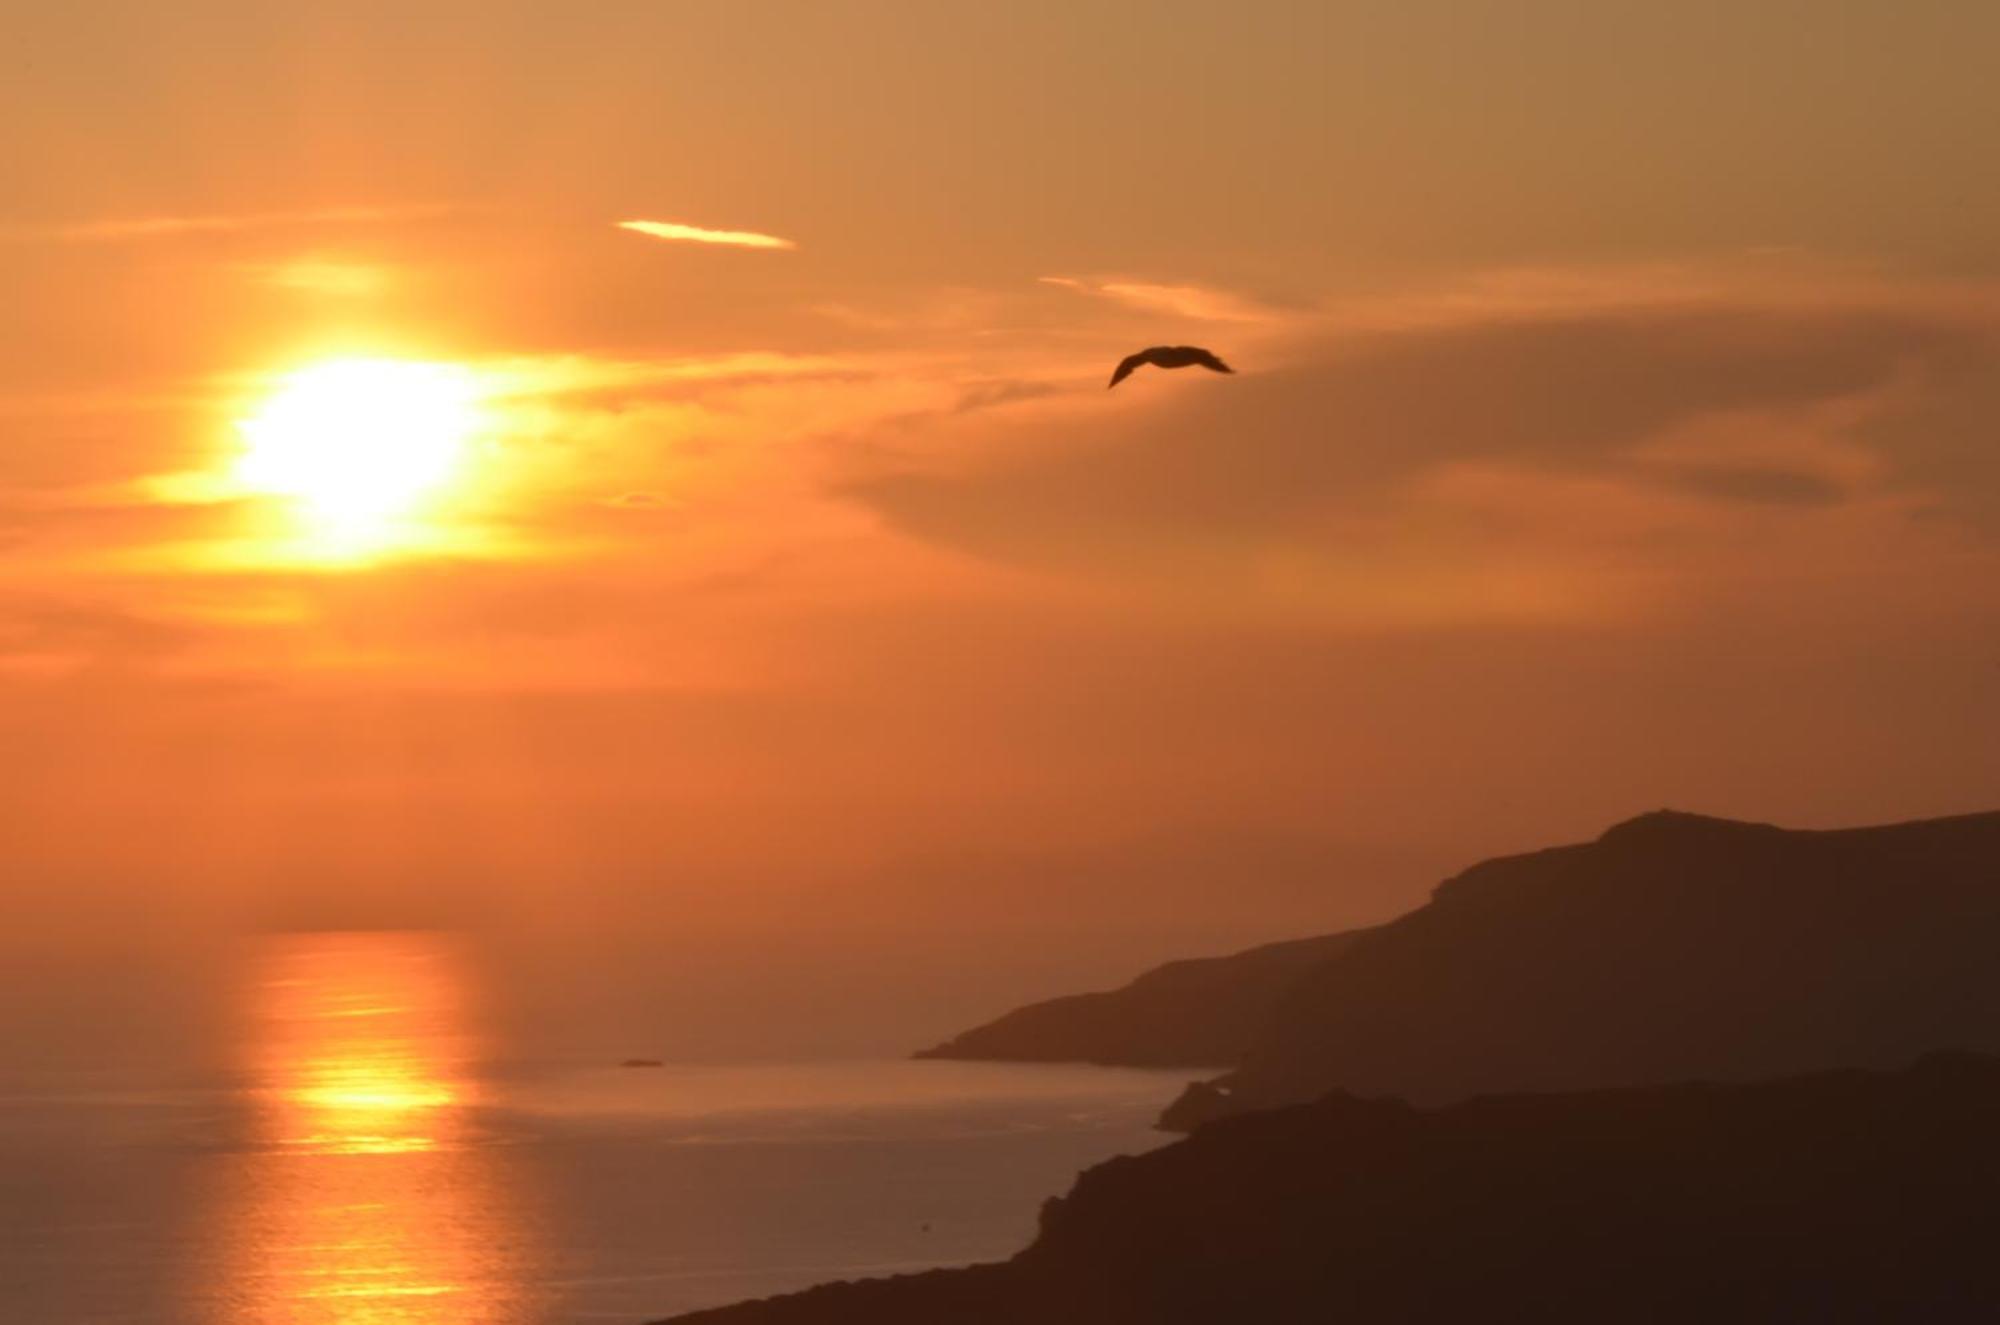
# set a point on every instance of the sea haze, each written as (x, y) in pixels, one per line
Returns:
(371, 1154)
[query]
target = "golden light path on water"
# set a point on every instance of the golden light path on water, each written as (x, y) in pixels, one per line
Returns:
(365, 1197)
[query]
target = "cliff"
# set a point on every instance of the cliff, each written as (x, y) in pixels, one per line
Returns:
(1674, 947)
(1847, 1196)
(1203, 1012)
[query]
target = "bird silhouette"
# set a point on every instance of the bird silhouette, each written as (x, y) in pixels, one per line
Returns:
(1169, 356)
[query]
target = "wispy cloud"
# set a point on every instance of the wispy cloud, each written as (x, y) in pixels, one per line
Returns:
(1590, 430)
(324, 277)
(674, 230)
(138, 228)
(1182, 300)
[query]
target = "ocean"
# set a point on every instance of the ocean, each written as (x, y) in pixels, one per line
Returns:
(371, 1157)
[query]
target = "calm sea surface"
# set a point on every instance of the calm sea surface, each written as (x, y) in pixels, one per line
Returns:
(372, 1160)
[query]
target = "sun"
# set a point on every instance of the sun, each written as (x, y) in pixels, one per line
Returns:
(360, 444)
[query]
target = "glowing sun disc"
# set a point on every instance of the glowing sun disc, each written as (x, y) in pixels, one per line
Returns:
(359, 441)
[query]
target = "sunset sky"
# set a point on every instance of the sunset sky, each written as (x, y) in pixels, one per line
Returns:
(1616, 425)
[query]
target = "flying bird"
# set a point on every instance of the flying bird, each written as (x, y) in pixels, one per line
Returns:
(1169, 356)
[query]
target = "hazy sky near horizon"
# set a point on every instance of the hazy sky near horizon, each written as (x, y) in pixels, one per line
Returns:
(1617, 425)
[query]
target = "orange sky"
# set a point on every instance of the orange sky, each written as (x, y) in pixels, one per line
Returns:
(1616, 427)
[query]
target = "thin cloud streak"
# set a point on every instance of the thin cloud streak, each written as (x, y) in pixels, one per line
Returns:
(673, 230)
(133, 229)
(1191, 301)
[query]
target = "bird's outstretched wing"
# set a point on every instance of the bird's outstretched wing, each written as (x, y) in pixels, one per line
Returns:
(1206, 358)
(1126, 365)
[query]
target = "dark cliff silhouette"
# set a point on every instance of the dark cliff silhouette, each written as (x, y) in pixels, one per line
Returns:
(1204, 1012)
(1674, 947)
(1849, 1196)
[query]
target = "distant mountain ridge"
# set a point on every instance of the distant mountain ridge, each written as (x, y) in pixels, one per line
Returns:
(1203, 1012)
(1837, 1197)
(1673, 947)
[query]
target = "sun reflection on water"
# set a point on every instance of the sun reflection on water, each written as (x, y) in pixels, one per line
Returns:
(367, 1196)
(363, 1046)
